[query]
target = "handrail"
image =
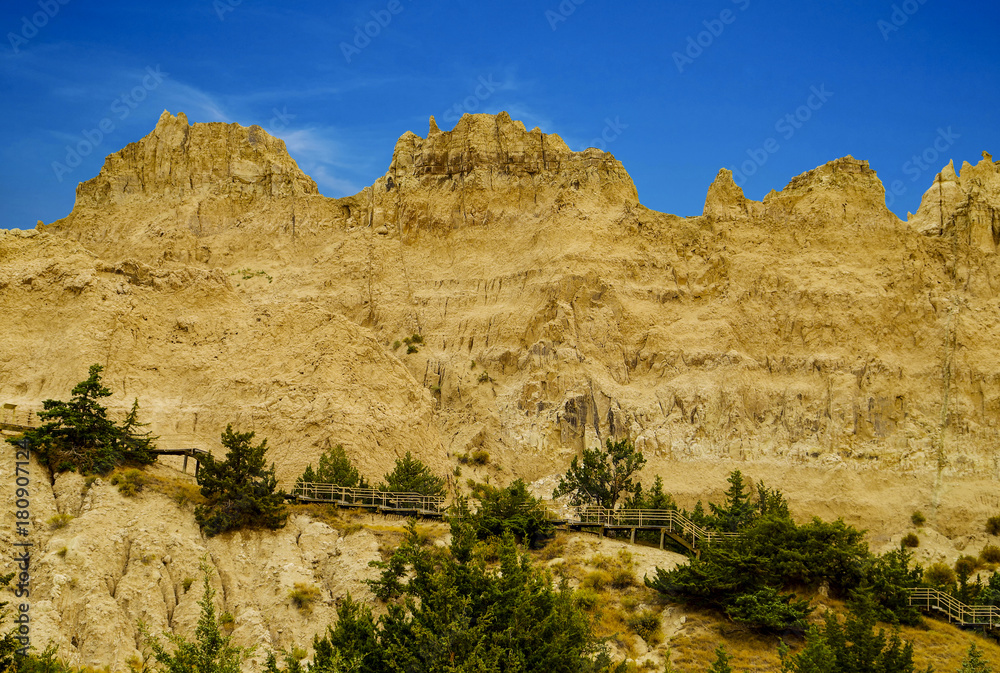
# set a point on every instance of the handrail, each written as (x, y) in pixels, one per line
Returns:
(966, 615)
(667, 519)
(367, 497)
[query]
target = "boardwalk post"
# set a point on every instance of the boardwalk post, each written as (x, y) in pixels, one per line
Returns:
(662, 531)
(633, 536)
(185, 468)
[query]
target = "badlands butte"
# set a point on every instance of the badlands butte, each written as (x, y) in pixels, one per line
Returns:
(813, 340)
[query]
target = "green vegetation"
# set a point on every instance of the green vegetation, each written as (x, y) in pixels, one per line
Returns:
(449, 610)
(502, 511)
(303, 596)
(990, 554)
(57, 521)
(910, 540)
(239, 491)
(247, 274)
(749, 577)
(918, 519)
(412, 476)
(475, 457)
(209, 652)
(993, 525)
(9, 644)
(78, 435)
(334, 468)
(974, 662)
(129, 482)
(939, 576)
(851, 646)
(604, 476)
(413, 342)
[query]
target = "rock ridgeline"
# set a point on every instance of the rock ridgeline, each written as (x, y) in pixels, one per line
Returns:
(811, 339)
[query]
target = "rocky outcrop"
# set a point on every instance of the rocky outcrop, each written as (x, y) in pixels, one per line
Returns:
(965, 206)
(844, 192)
(489, 170)
(556, 311)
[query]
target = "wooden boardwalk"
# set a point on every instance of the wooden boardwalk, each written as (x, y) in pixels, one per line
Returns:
(669, 523)
(369, 498)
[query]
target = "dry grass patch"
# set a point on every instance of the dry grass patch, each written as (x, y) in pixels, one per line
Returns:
(944, 646)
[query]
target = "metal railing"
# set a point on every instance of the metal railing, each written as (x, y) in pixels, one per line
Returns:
(367, 497)
(653, 519)
(957, 611)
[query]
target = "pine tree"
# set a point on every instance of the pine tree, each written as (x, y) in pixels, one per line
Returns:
(975, 662)
(412, 476)
(335, 467)
(78, 435)
(210, 652)
(739, 511)
(604, 476)
(241, 491)
(721, 663)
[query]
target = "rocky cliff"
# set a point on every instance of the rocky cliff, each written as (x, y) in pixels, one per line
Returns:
(812, 338)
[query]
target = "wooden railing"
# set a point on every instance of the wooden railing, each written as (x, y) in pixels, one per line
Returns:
(957, 611)
(18, 418)
(368, 497)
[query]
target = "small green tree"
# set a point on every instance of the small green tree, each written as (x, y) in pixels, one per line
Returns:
(241, 492)
(722, 661)
(975, 662)
(9, 644)
(507, 510)
(335, 467)
(210, 652)
(604, 476)
(412, 476)
(78, 435)
(739, 510)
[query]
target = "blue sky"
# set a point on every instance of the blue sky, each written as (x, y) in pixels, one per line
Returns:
(674, 90)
